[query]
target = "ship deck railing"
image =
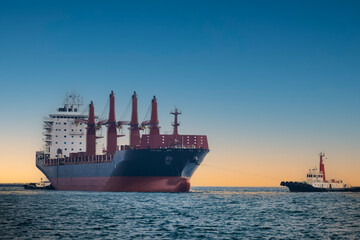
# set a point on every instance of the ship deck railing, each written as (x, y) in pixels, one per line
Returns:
(79, 160)
(102, 158)
(130, 147)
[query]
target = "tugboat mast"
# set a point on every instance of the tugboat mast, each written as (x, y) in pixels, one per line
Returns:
(322, 166)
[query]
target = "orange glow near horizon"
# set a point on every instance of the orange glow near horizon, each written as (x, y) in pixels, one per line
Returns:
(218, 169)
(18, 166)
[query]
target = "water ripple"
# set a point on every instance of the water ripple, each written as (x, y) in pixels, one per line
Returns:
(204, 213)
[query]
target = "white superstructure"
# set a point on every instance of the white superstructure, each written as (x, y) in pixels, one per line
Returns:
(61, 134)
(316, 178)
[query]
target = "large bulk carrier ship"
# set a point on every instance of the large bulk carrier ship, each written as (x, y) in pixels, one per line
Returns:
(151, 162)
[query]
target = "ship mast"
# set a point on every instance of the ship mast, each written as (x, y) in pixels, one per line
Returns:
(322, 166)
(154, 120)
(111, 124)
(91, 132)
(175, 123)
(134, 124)
(72, 102)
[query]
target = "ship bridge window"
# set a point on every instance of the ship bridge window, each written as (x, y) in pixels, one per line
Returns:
(64, 123)
(64, 130)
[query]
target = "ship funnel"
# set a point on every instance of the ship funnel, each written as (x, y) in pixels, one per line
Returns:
(134, 124)
(154, 121)
(91, 132)
(111, 125)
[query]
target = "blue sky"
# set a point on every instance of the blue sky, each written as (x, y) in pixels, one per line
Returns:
(262, 74)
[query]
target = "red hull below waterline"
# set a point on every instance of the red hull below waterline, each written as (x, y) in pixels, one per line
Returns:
(122, 184)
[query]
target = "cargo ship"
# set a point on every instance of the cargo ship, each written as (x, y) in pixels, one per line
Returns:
(316, 182)
(151, 162)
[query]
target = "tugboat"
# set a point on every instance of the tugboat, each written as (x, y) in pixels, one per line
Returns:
(43, 185)
(316, 182)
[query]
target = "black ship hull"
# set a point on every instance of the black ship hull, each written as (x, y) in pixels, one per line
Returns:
(140, 170)
(305, 187)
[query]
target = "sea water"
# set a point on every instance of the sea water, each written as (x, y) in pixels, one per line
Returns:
(203, 213)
